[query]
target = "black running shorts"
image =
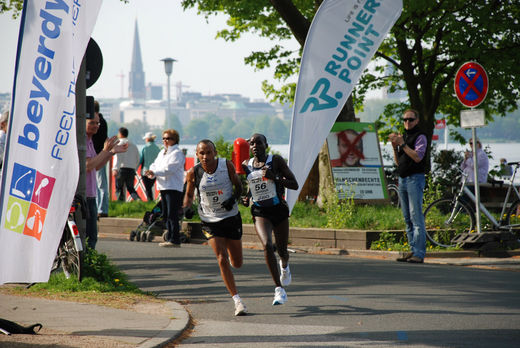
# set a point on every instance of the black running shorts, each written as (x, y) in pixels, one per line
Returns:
(230, 228)
(276, 214)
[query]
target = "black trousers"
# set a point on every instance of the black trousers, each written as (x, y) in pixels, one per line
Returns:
(171, 203)
(125, 178)
(148, 185)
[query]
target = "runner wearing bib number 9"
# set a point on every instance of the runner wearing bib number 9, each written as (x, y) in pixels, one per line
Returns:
(267, 177)
(218, 188)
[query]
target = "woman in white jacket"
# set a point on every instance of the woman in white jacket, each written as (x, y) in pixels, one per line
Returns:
(168, 169)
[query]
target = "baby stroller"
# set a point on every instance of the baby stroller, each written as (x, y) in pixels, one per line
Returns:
(153, 224)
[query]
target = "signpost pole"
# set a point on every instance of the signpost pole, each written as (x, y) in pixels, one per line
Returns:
(471, 87)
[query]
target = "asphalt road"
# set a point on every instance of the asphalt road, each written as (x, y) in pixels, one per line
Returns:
(333, 300)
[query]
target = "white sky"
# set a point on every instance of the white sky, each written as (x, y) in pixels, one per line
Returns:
(205, 64)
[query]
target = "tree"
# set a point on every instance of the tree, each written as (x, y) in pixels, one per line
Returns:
(277, 20)
(426, 46)
(224, 148)
(197, 129)
(11, 5)
(243, 128)
(225, 129)
(277, 131)
(175, 123)
(262, 125)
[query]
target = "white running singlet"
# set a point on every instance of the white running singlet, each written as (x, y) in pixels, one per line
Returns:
(213, 190)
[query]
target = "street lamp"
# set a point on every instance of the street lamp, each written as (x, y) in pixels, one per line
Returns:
(168, 67)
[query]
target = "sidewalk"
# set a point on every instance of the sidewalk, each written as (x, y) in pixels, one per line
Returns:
(76, 324)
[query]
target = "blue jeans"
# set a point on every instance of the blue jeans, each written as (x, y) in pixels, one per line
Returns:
(171, 203)
(102, 190)
(411, 190)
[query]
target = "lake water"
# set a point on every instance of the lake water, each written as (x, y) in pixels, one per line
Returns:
(509, 151)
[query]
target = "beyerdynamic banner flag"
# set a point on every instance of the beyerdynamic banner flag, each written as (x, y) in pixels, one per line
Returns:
(41, 169)
(343, 37)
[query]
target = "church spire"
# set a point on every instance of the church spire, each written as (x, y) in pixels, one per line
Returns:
(136, 85)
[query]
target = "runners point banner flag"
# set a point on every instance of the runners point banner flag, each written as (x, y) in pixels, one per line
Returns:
(41, 168)
(343, 37)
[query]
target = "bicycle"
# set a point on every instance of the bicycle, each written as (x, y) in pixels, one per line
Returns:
(392, 187)
(446, 218)
(70, 252)
(393, 194)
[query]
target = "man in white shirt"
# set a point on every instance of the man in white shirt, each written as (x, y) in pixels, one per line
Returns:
(124, 167)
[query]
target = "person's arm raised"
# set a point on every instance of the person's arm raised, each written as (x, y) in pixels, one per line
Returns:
(110, 148)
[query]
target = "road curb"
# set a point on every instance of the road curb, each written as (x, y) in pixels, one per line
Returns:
(174, 329)
(250, 242)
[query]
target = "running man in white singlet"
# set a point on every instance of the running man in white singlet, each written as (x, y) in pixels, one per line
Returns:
(218, 188)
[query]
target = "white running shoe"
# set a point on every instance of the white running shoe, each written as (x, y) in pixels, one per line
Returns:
(285, 275)
(169, 245)
(240, 308)
(280, 297)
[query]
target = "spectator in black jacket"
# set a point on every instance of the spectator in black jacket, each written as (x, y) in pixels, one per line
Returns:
(410, 151)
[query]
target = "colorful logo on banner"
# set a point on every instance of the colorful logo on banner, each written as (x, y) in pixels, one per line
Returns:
(29, 195)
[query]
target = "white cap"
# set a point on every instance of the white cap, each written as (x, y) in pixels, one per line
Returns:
(149, 135)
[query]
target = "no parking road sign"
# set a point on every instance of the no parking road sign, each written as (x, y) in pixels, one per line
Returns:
(471, 84)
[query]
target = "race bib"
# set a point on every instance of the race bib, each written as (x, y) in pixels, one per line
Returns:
(262, 189)
(213, 199)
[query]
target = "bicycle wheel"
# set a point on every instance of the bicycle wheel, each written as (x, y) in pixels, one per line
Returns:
(446, 219)
(71, 260)
(513, 218)
(393, 194)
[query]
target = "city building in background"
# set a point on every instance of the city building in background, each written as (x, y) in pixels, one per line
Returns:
(136, 85)
(147, 101)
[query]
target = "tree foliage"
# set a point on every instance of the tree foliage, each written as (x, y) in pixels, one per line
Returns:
(429, 43)
(265, 19)
(421, 54)
(424, 49)
(11, 5)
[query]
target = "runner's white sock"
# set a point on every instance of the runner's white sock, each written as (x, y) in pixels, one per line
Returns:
(236, 298)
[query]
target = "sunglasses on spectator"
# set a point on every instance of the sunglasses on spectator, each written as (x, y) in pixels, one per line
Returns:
(409, 119)
(167, 138)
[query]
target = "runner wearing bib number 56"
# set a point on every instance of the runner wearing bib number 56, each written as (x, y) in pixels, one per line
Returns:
(268, 176)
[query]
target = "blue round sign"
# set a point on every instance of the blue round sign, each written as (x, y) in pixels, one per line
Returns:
(471, 84)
